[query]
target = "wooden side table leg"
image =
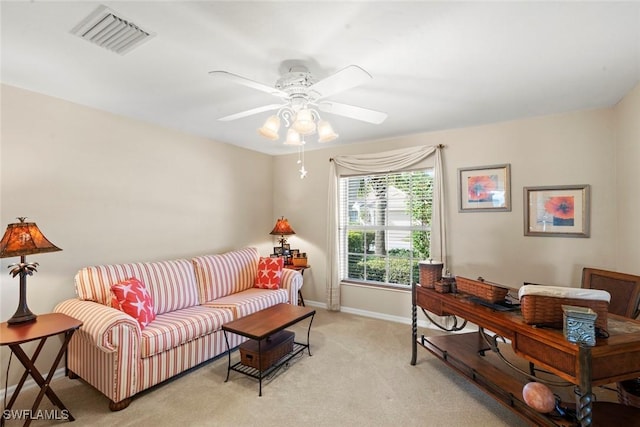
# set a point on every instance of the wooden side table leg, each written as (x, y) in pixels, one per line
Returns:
(584, 398)
(414, 325)
(29, 365)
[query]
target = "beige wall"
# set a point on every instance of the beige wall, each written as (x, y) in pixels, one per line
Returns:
(108, 189)
(575, 148)
(627, 115)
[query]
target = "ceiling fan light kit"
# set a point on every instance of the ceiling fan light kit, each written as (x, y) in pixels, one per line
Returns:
(301, 93)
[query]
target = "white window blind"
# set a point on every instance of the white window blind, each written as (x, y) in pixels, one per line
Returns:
(384, 226)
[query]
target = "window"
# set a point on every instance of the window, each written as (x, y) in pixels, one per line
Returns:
(384, 226)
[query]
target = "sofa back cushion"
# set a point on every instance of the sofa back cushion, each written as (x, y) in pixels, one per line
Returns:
(172, 284)
(225, 274)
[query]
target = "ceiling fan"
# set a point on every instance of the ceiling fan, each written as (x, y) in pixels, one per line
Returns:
(302, 97)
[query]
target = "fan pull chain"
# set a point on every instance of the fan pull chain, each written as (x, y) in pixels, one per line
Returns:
(302, 170)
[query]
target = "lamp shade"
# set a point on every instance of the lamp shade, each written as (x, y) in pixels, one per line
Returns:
(325, 132)
(270, 128)
(24, 238)
(282, 228)
(304, 123)
(293, 138)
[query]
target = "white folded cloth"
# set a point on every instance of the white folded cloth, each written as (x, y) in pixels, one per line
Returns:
(563, 292)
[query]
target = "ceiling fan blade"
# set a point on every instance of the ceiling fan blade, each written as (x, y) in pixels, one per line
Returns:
(250, 112)
(340, 81)
(353, 112)
(248, 82)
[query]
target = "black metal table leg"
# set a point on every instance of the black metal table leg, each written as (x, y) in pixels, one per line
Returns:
(226, 339)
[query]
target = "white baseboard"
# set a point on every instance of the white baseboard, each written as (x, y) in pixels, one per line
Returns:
(375, 315)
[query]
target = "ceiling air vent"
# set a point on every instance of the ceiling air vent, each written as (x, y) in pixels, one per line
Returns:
(106, 29)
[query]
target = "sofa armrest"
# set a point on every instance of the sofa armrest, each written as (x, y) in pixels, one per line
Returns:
(104, 326)
(291, 281)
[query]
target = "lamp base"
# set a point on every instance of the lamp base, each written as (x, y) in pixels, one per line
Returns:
(21, 317)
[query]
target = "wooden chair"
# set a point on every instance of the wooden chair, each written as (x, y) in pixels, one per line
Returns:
(625, 301)
(624, 289)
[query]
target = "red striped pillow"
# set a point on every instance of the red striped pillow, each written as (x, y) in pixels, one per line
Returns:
(131, 297)
(269, 273)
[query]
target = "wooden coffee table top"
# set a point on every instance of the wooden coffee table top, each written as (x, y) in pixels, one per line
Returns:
(266, 322)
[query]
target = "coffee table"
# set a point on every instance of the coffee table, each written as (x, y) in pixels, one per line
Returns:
(262, 324)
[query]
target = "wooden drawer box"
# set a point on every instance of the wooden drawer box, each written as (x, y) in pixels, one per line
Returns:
(431, 304)
(272, 349)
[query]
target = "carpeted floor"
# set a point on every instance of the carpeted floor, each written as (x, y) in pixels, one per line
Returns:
(358, 375)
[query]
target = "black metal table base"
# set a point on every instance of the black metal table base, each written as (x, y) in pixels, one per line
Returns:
(270, 372)
(252, 372)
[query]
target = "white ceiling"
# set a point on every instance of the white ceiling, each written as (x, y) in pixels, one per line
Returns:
(435, 65)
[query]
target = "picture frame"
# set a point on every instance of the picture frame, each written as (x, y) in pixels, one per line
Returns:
(277, 250)
(295, 253)
(484, 188)
(557, 211)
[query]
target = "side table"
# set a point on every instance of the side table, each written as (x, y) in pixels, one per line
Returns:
(301, 269)
(45, 326)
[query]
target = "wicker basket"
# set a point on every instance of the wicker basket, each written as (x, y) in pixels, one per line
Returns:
(430, 273)
(629, 392)
(272, 349)
(547, 311)
(479, 288)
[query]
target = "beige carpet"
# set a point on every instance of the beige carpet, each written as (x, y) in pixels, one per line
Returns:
(358, 375)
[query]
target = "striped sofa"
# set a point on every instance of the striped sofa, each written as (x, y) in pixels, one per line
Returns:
(192, 299)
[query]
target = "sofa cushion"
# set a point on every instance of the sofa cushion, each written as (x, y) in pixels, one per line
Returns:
(171, 284)
(249, 301)
(269, 273)
(172, 329)
(225, 274)
(131, 297)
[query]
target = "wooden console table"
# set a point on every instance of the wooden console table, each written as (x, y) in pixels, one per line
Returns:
(610, 360)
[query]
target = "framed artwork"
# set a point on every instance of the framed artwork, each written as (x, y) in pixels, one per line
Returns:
(485, 188)
(561, 211)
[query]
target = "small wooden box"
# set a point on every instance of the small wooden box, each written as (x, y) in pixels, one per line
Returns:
(272, 348)
(299, 262)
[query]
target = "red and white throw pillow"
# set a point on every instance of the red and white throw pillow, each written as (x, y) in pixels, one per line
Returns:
(269, 273)
(131, 296)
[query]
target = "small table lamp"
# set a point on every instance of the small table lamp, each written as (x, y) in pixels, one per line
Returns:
(21, 239)
(282, 228)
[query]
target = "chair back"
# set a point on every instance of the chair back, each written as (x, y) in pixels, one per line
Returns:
(624, 290)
